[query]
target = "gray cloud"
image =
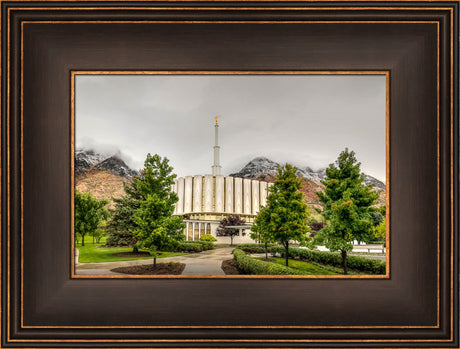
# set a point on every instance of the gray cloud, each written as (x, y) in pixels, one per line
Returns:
(302, 119)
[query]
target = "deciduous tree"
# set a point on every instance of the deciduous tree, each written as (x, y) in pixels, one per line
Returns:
(148, 194)
(156, 227)
(225, 227)
(261, 231)
(89, 214)
(286, 214)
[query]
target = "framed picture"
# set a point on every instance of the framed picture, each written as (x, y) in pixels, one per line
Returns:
(48, 46)
(215, 200)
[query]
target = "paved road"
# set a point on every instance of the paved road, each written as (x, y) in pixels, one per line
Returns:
(204, 263)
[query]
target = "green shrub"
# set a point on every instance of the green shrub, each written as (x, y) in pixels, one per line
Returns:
(254, 248)
(248, 265)
(194, 246)
(189, 246)
(207, 237)
(207, 245)
(333, 258)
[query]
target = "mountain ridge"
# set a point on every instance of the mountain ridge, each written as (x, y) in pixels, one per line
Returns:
(87, 161)
(105, 175)
(260, 167)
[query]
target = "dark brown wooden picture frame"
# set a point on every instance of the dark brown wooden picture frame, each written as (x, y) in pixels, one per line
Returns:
(44, 41)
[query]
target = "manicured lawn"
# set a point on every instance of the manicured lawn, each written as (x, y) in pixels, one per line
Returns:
(306, 268)
(90, 253)
(314, 268)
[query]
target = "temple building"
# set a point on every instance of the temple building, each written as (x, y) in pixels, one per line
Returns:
(204, 200)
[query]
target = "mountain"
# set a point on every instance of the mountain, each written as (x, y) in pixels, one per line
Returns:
(259, 168)
(262, 168)
(116, 166)
(87, 161)
(101, 175)
(102, 185)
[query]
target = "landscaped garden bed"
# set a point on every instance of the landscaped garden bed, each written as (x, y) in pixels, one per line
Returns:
(229, 267)
(301, 266)
(171, 268)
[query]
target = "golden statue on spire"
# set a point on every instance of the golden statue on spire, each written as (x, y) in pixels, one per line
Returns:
(217, 118)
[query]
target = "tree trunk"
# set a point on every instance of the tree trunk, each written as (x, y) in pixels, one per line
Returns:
(154, 262)
(135, 249)
(286, 246)
(93, 239)
(83, 240)
(344, 261)
(231, 240)
(266, 250)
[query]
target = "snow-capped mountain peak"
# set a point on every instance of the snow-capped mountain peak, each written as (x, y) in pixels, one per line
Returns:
(263, 168)
(90, 161)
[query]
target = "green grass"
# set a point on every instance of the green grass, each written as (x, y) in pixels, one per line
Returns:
(314, 268)
(90, 253)
(307, 268)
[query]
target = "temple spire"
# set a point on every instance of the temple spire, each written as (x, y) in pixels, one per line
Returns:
(216, 166)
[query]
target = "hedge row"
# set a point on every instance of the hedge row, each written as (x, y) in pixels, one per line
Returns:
(194, 246)
(369, 265)
(248, 265)
(254, 248)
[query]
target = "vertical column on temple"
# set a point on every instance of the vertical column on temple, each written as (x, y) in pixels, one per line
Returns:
(219, 195)
(208, 193)
(263, 193)
(238, 195)
(197, 193)
(216, 166)
(188, 194)
(255, 196)
(229, 194)
(180, 194)
(247, 205)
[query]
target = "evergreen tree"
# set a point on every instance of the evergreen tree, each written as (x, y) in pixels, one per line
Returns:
(89, 214)
(122, 223)
(224, 227)
(286, 214)
(155, 179)
(347, 206)
(155, 227)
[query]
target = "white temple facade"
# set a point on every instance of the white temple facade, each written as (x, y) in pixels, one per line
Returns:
(204, 200)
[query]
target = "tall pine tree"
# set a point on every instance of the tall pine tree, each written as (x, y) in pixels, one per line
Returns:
(121, 224)
(347, 206)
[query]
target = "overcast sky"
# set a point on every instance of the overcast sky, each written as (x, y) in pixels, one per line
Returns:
(306, 120)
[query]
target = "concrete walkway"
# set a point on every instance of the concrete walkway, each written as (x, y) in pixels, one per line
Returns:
(204, 263)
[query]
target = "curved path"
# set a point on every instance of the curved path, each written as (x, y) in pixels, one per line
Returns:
(204, 263)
